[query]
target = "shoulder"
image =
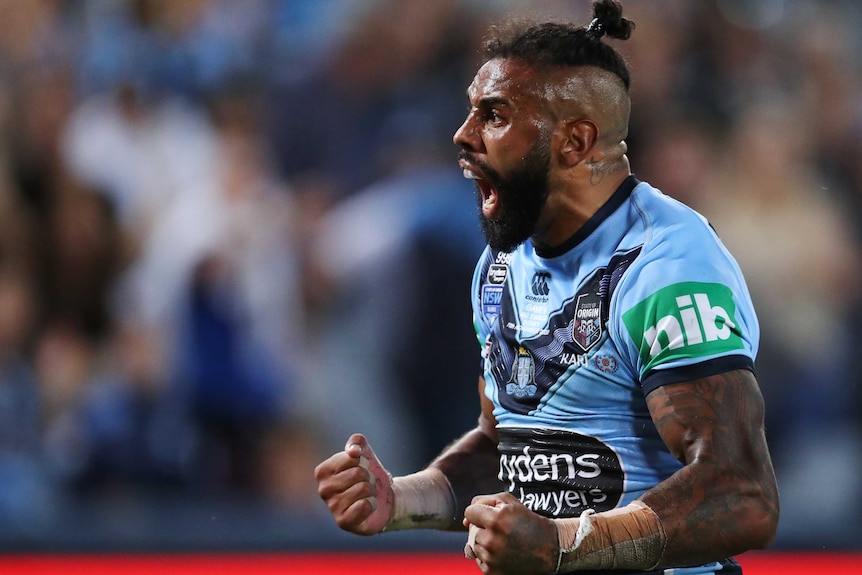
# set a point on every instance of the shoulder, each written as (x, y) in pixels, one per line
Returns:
(684, 299)
(667, 221)
(679, 244)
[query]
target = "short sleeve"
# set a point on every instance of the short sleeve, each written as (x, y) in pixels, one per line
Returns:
(683, 310)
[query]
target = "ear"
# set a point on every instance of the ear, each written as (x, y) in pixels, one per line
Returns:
(577, 139)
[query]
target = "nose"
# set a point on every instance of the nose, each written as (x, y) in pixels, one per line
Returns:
(467, 136)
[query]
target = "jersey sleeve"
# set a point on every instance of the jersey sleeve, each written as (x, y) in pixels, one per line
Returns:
(683, 310)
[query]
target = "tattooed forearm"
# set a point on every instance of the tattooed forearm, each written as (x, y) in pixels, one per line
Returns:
(724, 500)
(470, 464)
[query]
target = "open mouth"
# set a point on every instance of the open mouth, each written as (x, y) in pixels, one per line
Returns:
(489, 204)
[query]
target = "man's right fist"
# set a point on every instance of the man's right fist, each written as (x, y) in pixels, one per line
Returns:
(356, 488)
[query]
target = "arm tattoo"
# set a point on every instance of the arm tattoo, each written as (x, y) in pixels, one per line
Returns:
(724, 499)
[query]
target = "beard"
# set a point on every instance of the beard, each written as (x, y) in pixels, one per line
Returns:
(522, 192)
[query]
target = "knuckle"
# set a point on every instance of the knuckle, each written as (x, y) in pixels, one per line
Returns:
(364, 490)
(342, 523)
(324, 491)
(320, 472)
(359, 475)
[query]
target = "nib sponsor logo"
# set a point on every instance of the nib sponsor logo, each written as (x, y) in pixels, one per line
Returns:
(684, 320)
(694, 324)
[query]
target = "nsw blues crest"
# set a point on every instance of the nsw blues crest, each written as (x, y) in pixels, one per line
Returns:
(523, 381)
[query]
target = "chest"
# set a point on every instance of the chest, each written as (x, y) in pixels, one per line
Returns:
(549, 336)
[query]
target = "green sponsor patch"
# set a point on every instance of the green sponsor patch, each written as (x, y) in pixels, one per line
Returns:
(684, 320)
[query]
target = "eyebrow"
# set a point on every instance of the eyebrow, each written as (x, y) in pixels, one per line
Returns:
(491, 101)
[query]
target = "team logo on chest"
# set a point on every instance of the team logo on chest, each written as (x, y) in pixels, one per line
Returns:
(587, 324)
(523, 380)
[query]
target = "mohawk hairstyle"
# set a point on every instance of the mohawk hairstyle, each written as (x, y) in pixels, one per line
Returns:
(556, 44)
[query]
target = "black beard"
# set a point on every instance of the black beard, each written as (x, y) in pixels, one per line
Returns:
(522, 193)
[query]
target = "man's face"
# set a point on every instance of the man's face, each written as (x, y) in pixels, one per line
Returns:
(505, 148)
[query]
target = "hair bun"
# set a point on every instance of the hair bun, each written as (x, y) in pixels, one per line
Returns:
(608, 19)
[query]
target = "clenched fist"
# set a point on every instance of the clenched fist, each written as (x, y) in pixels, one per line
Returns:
(356, 488)
(506, 538)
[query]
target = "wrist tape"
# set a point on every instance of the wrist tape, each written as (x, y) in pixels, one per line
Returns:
(631, 537)
(422, 500)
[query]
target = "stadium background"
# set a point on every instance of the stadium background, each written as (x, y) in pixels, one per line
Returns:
(232, 233)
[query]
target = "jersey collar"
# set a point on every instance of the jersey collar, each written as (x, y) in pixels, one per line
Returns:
(603, 213)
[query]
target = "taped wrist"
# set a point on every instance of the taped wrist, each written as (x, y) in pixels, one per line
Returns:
(422, 500)
(631, 537)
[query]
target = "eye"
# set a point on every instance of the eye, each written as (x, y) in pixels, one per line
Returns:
(487, 113)
(493, 117)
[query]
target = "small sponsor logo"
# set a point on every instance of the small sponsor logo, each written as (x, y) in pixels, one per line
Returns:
(539, 285)
(578, 359)
(497, 274)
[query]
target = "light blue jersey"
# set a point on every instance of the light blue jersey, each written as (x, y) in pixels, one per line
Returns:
(644, 295)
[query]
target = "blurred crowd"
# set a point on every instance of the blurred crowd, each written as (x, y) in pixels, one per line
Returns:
(233, 233)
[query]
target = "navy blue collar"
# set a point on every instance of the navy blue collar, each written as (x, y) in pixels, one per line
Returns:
(603, 213)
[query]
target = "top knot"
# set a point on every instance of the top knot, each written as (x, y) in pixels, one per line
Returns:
(608, 19)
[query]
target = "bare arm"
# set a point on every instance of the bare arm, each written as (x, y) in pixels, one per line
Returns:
(471, 463)
(724, 500)
(365, 499)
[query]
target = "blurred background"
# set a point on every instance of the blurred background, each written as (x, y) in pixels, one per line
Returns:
(233, 233)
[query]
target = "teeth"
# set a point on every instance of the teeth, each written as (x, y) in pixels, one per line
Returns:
(470, 175)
